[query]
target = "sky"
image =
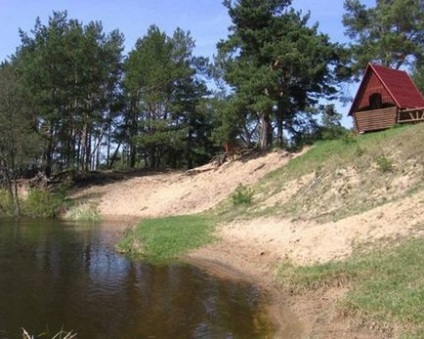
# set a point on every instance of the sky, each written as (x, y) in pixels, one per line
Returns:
(207, 20)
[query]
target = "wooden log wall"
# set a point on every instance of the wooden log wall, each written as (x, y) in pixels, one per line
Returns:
(375, 119)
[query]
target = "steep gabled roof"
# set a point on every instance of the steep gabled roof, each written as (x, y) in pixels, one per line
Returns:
(399, 85)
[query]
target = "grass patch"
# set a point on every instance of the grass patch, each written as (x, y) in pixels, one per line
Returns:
(83, 212)
(386, 284)
(166, 238)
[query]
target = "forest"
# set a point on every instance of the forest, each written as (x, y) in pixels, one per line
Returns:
(70, 99)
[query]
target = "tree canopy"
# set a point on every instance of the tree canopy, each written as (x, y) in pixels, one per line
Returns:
(391, 33)
(277, 64)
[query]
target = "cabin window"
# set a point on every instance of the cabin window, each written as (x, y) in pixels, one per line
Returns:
(376, 101)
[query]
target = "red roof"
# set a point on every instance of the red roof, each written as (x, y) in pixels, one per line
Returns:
(399, 85)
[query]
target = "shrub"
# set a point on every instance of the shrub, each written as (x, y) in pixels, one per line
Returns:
(384, 164)
(242, 195)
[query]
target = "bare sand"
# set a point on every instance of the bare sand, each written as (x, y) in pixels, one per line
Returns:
(251, 250)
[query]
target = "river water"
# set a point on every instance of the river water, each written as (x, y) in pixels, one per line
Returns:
(56, 275)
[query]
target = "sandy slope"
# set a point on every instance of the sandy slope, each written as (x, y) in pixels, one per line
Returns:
(182, 192)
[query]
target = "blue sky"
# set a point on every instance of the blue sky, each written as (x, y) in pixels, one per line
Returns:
(207, 20)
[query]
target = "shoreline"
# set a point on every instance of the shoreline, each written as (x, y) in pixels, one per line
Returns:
(285, 322)
(251, 261)
(230, 265)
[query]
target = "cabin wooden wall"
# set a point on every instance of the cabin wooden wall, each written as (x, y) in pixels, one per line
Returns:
(372, 85)
(375, 119)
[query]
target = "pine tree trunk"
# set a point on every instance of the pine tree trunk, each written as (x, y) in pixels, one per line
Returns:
(280, 135)
(265, 138)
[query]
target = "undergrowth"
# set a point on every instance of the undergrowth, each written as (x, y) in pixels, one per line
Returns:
(38, 203)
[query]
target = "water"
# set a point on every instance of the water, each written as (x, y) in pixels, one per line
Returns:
(56, 275)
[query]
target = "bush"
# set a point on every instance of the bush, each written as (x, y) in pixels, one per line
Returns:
(242, 195)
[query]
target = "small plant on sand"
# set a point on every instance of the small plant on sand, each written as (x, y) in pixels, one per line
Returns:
(384, 164)
(242, 195)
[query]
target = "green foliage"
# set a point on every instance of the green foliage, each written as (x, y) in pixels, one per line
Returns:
(166, 238)
(277, 64)
(331, 127)
(386, 283)
(20, 145)
(166, 118)
(384, 164)
(243, 195)
(389, 33)
(418, 75)
(73, 88)
(42, 203)
(6, 204)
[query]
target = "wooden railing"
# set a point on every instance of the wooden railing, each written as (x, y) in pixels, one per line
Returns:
(411, 115)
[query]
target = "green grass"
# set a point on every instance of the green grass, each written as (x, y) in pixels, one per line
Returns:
(166, 238)
(386, 285)
(83, 212)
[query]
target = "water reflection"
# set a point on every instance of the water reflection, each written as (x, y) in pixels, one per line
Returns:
(59, 275)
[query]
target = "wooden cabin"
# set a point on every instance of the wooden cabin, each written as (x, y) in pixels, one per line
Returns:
(386, 97)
